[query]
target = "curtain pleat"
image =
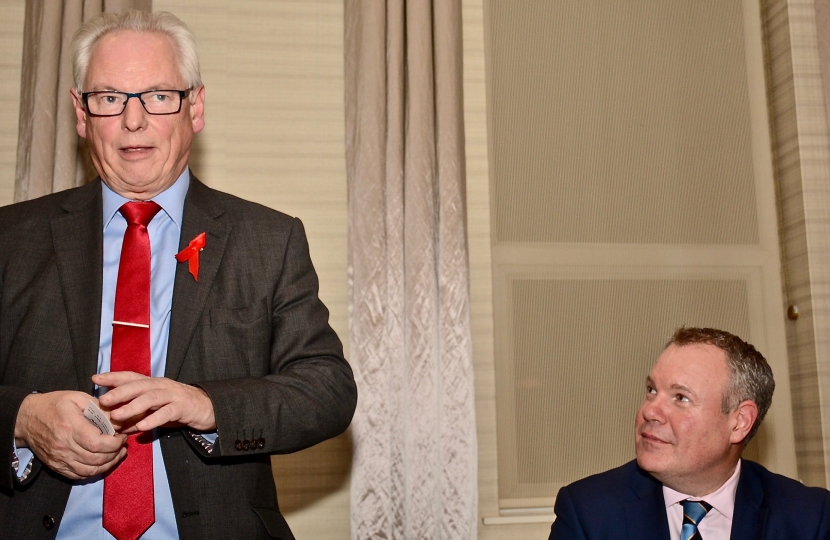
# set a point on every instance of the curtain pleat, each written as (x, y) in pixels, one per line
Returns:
(415, 461)
(823, 36)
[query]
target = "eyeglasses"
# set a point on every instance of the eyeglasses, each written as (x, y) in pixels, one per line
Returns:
(107, 103)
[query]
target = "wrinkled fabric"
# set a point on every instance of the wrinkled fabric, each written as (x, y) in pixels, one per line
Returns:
(414, 474)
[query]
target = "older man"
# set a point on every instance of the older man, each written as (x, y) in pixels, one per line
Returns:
(192, 314)
(705, 398)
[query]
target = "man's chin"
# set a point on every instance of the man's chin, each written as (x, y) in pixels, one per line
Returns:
(651, 460)
(138, 184)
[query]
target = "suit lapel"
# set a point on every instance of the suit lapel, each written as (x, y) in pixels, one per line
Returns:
(78, 242)
(202, 213)
(750, 518)
(645, 512)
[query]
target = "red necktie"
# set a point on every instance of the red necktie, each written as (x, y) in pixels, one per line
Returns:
(129, 508)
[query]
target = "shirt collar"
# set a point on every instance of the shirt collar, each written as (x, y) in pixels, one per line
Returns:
(722, 500)
(171, 199)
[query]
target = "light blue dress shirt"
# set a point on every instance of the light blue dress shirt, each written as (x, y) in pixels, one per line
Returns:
(83, 516)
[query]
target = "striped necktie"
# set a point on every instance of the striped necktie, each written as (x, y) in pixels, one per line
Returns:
(693, 512)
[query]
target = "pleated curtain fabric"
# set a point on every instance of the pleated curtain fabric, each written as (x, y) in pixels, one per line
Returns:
(50, 154)
(414, 473)
(804, 181)
(823, 37)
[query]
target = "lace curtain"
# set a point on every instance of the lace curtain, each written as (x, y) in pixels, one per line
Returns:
(414, 473)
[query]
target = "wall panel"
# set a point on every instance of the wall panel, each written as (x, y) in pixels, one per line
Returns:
(635, 111)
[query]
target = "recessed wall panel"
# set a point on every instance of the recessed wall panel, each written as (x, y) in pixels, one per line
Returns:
(624, 121)
(581, 350)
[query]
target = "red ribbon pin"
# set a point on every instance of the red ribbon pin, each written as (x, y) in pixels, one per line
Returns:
(191, 255)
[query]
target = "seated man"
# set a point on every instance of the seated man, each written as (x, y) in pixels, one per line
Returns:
(705, 398)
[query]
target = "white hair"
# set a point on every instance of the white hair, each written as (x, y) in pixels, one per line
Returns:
(141, 21)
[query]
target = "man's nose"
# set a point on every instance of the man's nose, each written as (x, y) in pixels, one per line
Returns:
(653, 410)
(134, 115)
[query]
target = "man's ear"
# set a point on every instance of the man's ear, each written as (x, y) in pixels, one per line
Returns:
(80, 113)
(197, 109)
(743, 418)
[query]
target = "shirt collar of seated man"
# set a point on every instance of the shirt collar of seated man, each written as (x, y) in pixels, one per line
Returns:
(700, 410)
(137, 154)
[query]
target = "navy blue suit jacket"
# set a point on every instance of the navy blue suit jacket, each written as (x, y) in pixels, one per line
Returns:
(627, 503)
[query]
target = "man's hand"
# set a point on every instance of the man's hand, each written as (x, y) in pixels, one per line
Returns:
(140, 403)
(53, 426)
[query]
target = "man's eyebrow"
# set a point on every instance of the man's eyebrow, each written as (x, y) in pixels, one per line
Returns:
(105, 88)
(683, 388)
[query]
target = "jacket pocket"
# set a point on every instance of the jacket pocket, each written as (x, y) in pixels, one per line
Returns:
(234, 342)
(241, 316)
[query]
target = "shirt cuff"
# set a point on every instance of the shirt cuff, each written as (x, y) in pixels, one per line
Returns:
(206, 440)
(22, 459)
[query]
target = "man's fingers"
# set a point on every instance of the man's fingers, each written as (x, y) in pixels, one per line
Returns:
(116, 378)
(99, 443)
(78, 470)
(86, 458)
(133, 399)
(89, 447)
(138, 400)
(153, 409)
(164, 416)
(123, 386)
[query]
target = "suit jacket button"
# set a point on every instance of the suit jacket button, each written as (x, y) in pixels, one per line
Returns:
(246, 444)
(238, 444)
(48, 522)
(260, 443)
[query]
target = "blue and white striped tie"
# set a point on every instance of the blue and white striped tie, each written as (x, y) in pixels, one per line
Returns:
(693, 512)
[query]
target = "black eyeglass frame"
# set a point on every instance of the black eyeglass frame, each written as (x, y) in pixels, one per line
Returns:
(85, 99)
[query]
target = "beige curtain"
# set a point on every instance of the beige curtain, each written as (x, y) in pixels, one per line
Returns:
(806, 191)
(49, 151)
(414, 473)
(823, 33)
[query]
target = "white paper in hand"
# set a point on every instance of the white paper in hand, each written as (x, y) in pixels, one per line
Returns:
(97, 418)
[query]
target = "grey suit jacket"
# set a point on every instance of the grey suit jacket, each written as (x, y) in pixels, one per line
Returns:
(251, 332)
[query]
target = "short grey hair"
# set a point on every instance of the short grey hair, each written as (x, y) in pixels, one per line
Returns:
(161, 22)
(750, 374)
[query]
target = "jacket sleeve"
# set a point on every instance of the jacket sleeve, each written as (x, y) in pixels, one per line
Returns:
(10, 400)
(308, 393)
(566, 526)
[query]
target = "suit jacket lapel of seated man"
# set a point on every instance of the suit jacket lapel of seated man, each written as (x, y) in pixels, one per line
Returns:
(250, 356)
(704, 399)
